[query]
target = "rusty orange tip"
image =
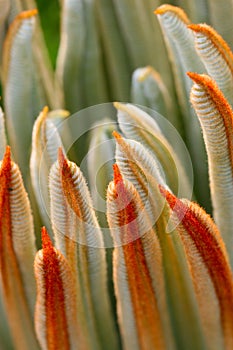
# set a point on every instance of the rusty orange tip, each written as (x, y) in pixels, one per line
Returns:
(117, 174)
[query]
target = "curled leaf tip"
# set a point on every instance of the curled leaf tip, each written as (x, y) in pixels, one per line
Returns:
(7, 156)
(45, 109)
(117, 174)
(210, 86)
(195, 27)
(61, 157)
(28, 14)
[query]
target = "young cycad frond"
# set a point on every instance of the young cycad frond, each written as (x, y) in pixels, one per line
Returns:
(215, 114)
(56, 311)
(3, 142)
(216, 56)
(180, 45)
(140, 322)
(208, 243)
(139, 167)
(18, 69)
(17, 252)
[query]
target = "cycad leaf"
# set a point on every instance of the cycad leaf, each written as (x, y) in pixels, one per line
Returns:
(216, 56)
(20, 87)
(139, 167)
(209, 245)
(17, 251)
(52, 89)
(134, 242)
(78, 236)
(180, 45)
(216, 118)
(45, 143)
(138, 125)
(56, 323)
(148, 89)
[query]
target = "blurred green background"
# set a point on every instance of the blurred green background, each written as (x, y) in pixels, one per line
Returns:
(50, 21)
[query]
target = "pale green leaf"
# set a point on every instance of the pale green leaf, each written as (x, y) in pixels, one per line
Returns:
(17, 255)
(20, 87)
(138, 125)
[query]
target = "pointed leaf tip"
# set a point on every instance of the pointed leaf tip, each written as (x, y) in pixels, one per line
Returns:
(194, 27)
(197, 78)
(116, 135)
(161, 10)
(117, 174)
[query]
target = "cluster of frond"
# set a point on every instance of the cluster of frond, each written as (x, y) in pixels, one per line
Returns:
(171, 273)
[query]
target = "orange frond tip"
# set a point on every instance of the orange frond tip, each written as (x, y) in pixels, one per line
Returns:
(116, 135)
(117, 174)
(46, 241)
(28, 14)
(194, 76)
(174, 9)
